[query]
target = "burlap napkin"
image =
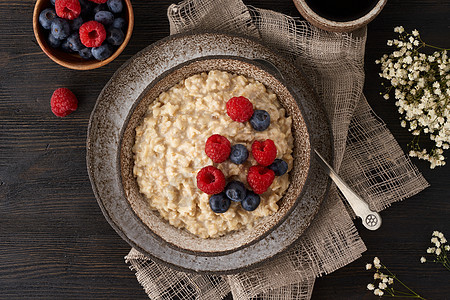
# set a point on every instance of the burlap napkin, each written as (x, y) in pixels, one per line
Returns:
(367, 156)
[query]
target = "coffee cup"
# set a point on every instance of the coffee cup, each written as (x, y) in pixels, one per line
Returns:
(339, 15)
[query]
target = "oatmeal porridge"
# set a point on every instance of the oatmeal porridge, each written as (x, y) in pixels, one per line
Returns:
(169, 151)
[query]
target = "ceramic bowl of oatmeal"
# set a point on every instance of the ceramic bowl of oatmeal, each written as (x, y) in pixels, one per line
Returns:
(163, 149)
(121, 108)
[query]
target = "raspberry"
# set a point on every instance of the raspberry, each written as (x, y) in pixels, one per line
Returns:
(264, 152)
(218, 148)
(260, 178)
(92, 34)
(68, 9)
(99, 1)
(63, 102)
(240, 109)
(211, 180)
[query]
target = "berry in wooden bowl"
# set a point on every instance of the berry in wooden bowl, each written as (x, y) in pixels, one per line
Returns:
(83, 34)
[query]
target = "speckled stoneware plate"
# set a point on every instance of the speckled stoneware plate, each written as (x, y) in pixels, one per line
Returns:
(117, 107)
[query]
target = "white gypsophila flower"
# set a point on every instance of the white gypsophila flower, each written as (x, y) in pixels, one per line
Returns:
(385, 280)
(368, 266)
(419, 91)
(431, 250)
(443, 240)
(382, 285)
(415, 32)
(399, 29)
(378, 292)
(386, 96)
(376, 261)
(391, 280)
(438, 251)
(370, 287)
(440, 235)
(376, 276)
(423, 259)
(447, 247)
(435, 240)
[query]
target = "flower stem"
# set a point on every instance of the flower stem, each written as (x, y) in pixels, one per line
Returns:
(431, 46)
(434, 47)
(395, 278)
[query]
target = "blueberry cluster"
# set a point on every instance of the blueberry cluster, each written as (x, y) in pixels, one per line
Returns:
(63, 33)
(234, 191)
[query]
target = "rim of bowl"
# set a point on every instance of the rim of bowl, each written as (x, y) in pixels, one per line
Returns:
(82, 64)
(338, 26)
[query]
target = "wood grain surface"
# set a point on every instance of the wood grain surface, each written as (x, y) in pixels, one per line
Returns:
(55, 242)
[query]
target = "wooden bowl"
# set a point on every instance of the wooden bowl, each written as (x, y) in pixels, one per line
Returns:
(338, 26)
(74, 61)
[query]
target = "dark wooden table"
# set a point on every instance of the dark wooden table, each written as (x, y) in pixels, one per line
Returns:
(54, 240)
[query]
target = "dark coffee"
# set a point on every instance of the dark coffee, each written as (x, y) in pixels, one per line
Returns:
(341, 10)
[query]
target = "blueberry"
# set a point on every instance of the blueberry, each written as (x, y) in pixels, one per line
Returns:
(100, 7)
(104, 17)
(102, 52)
(60, 28)
(279, 167)
(219, 203)
(76, 24)
(115, 6)
(251, 201)
(75, 42)
(119, 23)
(53, 42)
(239, 154)
(85, 53)
(115, 36)
(65, 46)
(260, 120)
(236, 191)
(46, 17)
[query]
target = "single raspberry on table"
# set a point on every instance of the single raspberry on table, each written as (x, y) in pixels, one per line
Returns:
(240, 109)
(92, 34)
(264, 152)
(63, 102)
(218, 148)
(68, 9)
(211, 180)
(260, 178)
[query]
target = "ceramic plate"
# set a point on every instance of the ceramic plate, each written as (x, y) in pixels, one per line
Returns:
(109, 119)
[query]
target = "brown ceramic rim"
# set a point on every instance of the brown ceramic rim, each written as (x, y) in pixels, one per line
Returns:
(336, 26)
(269, 73)
(73, 61)
(244, 259)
